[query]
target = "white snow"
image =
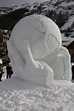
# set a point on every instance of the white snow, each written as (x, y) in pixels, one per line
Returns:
(18, 95)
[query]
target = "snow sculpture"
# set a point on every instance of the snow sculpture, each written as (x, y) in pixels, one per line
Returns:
(33, 39)
(30, 41)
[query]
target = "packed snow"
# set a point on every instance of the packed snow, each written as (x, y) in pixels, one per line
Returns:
(18, 95)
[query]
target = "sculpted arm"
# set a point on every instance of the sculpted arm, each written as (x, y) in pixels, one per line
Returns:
(26, 68)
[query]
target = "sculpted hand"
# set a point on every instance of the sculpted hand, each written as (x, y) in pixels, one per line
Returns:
(26, 68)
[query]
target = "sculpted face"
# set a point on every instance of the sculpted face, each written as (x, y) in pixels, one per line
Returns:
(41, 32)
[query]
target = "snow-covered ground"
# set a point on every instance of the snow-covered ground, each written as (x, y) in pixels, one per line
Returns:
(19, 95)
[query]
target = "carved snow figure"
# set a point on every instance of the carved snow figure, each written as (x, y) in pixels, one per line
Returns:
(35, 39)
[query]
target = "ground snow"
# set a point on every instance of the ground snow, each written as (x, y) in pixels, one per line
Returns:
(19, 95)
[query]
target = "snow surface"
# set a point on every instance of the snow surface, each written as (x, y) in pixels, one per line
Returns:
(19, 95)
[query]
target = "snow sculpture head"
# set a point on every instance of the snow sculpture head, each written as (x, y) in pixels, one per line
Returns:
(41, 32)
